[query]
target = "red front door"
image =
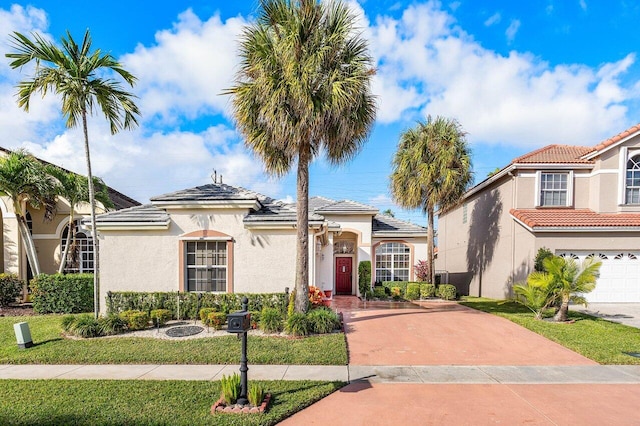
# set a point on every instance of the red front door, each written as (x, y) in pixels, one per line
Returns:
(343, 275)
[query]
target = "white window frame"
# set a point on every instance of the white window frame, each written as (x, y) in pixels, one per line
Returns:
(538, 191)
(393, 255)
(187, 266)
(625, 155)
(86, 259)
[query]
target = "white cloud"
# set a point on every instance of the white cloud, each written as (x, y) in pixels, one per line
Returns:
(583, 5)
(512, 30)
(493, 19)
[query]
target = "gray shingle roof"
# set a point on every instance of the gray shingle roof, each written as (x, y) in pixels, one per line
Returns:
(139, 214)
(346, 206)
(317, 202)
(212, 191)
(390, 225)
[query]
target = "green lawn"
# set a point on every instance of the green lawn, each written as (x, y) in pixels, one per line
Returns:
(603, 341)
(51, 348)
(120, 402)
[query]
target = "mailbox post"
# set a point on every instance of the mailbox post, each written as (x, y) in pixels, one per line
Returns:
(239, 322)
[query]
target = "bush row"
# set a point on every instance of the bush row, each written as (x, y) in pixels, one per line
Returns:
(188, 305)
(62, 294)
(411, 290)
(10, 287)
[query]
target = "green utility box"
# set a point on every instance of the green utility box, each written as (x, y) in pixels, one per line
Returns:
(23, 335)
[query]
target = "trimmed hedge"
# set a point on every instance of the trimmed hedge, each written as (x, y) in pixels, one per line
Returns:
(427, 290)
(10, 287)
(447, 291)
(402, 284)
(187, 305)
(62, 294)
(364, 277)
(413, 291)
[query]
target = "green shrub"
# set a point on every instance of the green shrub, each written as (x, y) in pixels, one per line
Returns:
(380, 292)
(255, 319)
(391, 284)
(204, 314)
(86, 326)
(256, 394)
(427, 290)
(413, 291)
(111, 324)
(67, 322)
(10, 288)
(323, 320)
(396, 293)
(291, 307)
(447, 291)
(160, 317)
(62, 294)
(136, 320)
(364, 277)
(541, 255)
(230, 388)
(216, 320)
(270, 320)
(298, 324)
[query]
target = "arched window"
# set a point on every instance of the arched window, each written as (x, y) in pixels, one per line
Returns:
(632, 182)
(393, 262)
(80, 256)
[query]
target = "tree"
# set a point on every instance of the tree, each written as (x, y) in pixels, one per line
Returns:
(75, 189)
(389, 213)
(23, 179)
(431, 169)
(75, 74)
(538, 294)
(303, 88)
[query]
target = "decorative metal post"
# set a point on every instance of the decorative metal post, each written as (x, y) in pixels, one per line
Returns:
(242, 399)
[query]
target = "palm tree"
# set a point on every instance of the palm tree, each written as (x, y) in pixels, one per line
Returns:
(431, 169)
(75, 189)
(75, 73)
(303, 88)
(569, 280)
(24, 180)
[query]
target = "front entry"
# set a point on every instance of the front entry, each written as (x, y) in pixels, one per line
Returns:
(343, 275)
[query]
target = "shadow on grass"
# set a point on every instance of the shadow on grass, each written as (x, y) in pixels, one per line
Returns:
(44, 342)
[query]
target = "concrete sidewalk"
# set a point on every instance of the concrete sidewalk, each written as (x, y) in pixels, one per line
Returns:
(426, 374)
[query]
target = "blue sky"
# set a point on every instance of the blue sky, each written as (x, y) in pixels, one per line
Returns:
(516, 75)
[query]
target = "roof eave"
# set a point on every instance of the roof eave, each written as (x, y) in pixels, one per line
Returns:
(122, 226)
(206, 204)
(399, 234)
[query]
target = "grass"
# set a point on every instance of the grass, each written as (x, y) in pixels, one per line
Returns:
(603, 341)
(119, 402)
(51, 348)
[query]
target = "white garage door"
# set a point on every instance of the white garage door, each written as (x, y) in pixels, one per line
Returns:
(619, 276)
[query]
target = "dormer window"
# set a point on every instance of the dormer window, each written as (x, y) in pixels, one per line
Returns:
(554, 189)
(632, 181)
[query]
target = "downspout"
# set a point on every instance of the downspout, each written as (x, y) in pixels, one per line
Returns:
(513, 232)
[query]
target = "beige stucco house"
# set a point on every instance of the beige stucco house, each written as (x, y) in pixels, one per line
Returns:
(221, 238)
(577, 201)
(49, 236)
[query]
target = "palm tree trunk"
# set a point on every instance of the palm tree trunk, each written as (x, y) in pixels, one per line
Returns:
(70, 230)
(431, 273)
(30, 249)
(562, 314)
(302, 247)
(94, 233)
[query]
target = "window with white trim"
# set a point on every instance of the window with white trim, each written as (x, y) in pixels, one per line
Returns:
(80, 254)
(206, 265)
(554, 189)
(393, 262)
(632, 181)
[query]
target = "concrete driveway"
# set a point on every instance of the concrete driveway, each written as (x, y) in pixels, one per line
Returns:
(448, 334)
(623, 313)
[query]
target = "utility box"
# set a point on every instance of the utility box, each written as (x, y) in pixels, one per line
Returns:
(23, 335)
(238, 322)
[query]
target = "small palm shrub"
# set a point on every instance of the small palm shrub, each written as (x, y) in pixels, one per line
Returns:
(136, 320)
(204, 314)
(230, 388)
(160, 317)
(271, 320)
(111, 324)
(216, 320)
(447, 291)
(298, 324)
(10, 287)
(323, 320)
(256, 394)
(86, 326)
(413, 291)
(427, 290)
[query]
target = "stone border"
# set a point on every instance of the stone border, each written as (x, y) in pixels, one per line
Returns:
(221, 407)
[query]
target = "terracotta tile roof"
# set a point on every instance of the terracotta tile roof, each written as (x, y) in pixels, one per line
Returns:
(555, 154)
(578, 218)
(617, 138)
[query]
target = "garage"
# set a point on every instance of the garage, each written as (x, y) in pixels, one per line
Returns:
(619, 276)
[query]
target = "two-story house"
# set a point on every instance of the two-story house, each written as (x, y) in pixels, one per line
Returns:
(222, 238)
(576, 201)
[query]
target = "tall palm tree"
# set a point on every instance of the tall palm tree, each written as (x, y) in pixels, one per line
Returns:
(303, 88)
(75, 189)
(75, 73)
(24, 180)
(569, 280)
(431, 169)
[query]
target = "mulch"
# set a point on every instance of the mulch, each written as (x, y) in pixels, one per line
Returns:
(16, 311)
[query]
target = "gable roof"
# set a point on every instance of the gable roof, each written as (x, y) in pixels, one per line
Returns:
(617, 138)
(145, 216)
(555, 154)
(386, 225)
(575, 220)
(346, 207)
(212, 191)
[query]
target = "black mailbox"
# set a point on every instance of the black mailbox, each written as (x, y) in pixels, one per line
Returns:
(238, 322)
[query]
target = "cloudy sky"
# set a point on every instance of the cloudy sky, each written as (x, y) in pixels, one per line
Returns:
(516, 75)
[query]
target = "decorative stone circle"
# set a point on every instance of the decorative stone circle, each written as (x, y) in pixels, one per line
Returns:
(184, 331)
